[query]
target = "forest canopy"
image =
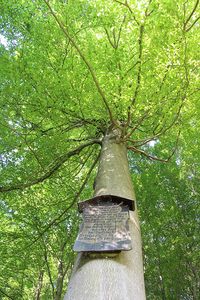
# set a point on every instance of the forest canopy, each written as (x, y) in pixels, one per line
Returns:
(69, 70)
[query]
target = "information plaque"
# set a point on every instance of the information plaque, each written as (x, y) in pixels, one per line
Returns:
(104, 228)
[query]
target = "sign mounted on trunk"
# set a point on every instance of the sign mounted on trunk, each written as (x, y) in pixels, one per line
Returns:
(104, 228)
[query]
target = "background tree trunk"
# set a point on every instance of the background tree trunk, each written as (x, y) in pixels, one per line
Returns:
(120, 277)
(39, 285)
(59, 283)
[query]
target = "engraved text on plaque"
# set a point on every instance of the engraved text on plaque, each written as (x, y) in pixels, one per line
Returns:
(104, 228)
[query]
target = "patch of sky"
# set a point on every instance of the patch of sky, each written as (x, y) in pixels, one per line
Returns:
(191, 176)
(133, 163)
(18, 124)
(17, 37)
(152, 143)
(148, 146)
(3, 41)
(7, 210)
(10, 157)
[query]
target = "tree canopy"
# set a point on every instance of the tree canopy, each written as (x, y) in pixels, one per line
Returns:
(69, 69)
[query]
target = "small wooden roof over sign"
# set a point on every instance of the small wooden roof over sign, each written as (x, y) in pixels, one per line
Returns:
(97, 200)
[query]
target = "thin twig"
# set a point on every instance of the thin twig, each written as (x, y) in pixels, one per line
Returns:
(190, 16)
(57, 220)
(65, 31)
(5, 294)
(51, 170)
(120, 31)
(140, 40)
(186, 60)
(79, 169)
(142, 152)
(140, 49)
(188, 29)
(131, 68)
(146, 154)
(109, 39)
(33, 152)
(129, 8)
(140, 121)
(115, 44)
(48, 268)
(162, 131)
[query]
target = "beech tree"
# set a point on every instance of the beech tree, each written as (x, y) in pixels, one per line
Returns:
(70, 71)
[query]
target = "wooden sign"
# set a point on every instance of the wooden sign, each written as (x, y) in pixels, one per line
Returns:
(104, 228)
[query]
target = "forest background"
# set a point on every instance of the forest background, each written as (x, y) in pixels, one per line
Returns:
(68, 70)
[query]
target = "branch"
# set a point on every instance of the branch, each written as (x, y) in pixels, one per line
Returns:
(65, 31)
(190, 16)
(115, 44)
(160, 132)
(143, 117)
(153, 157)
(78, 169)
(131, 68)
(52, 168)
(78, 140)
(58, 219)
(48, 268)
(146, 154)
(33, 152)
(142, 142)
(67, 268)
(129, 8)
(109, 39)
(140, 44)
(5, 294)
(138, 74)
(192, 24)
(120, 31)
(140, 64)
(163, 130)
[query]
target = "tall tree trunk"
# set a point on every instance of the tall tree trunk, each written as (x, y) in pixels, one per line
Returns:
(120, 277)
(59, 283)
(39, 285)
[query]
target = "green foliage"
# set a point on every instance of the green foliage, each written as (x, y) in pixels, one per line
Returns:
(62, 82)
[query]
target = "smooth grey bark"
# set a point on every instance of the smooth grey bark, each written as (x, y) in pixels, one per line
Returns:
(120, 277)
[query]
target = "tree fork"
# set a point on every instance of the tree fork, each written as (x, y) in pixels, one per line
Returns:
(120, 277)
